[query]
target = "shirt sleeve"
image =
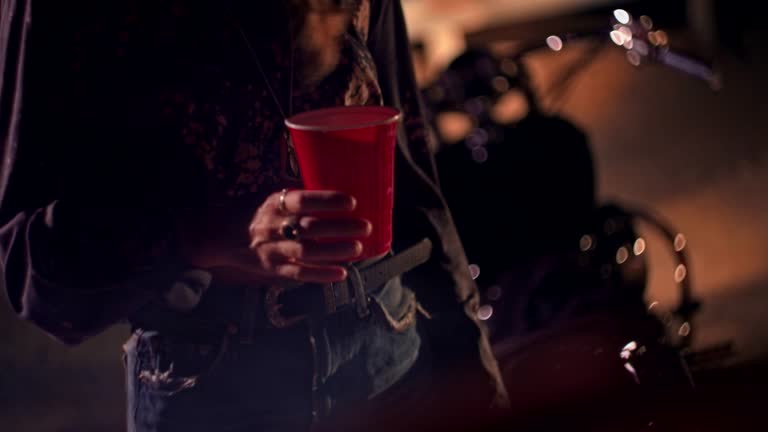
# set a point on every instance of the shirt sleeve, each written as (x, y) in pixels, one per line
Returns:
(443, 285)
(416, 190)
(84, 188)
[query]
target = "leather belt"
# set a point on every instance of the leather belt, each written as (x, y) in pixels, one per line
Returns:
(285, 307)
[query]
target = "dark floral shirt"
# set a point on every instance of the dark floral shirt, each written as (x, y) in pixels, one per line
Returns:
(260, 158)
(155, 109)
(118, 116)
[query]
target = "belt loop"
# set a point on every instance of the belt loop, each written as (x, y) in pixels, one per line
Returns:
(361, 298)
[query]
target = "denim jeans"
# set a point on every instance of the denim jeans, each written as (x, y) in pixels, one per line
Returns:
(279, 380)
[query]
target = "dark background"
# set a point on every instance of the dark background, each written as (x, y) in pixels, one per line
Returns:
(660, 140)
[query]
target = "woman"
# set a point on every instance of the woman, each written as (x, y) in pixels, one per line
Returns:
(147, 179)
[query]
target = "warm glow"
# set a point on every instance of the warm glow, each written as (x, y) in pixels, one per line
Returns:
(474, 270)
(622, 255)
(630, 346)
(680, 273)
(640, 47)
(634, 58)
(485, 313)
(555, 43)
(680, 242)
(626, 32)
(639, 247)
(685, 329)
(500, 84)
(494, 293)
(622, 16)
(454, 126)
(653, 38)
(646, 21)
(628, 349)
(618, 37)
(509, 67)
(510, 108)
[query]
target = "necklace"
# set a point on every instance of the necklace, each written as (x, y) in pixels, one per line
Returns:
(290, 163)
(263, 73)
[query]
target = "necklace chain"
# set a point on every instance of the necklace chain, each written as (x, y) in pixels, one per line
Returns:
(264, 76)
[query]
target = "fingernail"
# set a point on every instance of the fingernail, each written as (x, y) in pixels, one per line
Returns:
(368, 228)
(352, 203)
(342, 274)
(358, 248)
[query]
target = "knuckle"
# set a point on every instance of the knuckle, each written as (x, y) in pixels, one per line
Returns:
(270, 259)
(274, 199)
(261, 214)
(290, 271)
(271, 256)
(308, 223)
(299, 250)
(302, 200)
(266, 263)
(270, 205)
(258, 239)
(255, 230)
(299, 272)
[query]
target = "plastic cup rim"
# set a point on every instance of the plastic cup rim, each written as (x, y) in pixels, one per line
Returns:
(291, 122)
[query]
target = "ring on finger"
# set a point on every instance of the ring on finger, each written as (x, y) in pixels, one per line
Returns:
(289, 229)
(281, 205)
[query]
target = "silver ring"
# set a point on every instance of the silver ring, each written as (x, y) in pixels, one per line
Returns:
(289, 229)
(281, 204)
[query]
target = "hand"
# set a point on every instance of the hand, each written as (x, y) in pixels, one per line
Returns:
(304, 258)
(218, 241)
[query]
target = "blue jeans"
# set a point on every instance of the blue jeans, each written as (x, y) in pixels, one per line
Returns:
(280, 380)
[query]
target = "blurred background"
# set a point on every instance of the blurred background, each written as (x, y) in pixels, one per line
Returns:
(625, 140)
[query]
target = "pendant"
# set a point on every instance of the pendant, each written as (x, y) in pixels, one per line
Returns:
(290, 163)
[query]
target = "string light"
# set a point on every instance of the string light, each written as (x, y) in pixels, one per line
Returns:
(639, 247)
(634, 58)
(494, 293)
(622, 16)
(500, 84)
(646, 22)
(680, 242)
(622, 255)
(479, 154)
(474, 271)
(617, 37)
(555, 43)
(485, 312)
(626, 32)
(680, 273)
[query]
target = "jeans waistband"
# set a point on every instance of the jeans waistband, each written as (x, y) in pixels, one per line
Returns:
(245, 311)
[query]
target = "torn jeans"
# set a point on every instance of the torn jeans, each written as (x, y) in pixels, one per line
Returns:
(274, 380)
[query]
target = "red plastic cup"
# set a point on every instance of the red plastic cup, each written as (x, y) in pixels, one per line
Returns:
(352, 150)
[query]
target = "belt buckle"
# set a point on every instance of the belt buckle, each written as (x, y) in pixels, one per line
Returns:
(272, 308)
